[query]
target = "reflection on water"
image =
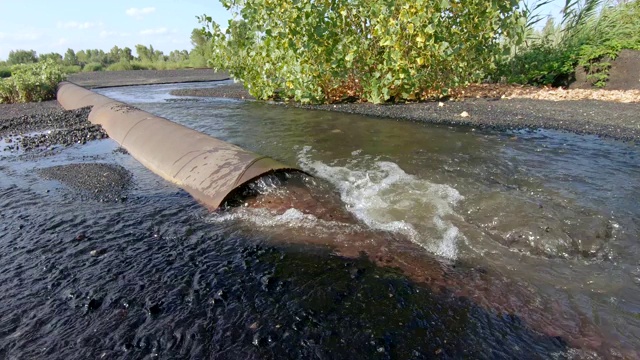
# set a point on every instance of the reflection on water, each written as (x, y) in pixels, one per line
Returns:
(546, 221)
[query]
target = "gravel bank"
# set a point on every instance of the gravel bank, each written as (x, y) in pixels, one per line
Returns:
(43, 125)
(607, 119)
(98, 79)
(603, 118)
(101, 182)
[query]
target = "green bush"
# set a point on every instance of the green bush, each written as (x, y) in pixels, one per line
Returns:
(145, 65)
(373, 50)
(33, 82)
(136, 65)
(94, 66)
(541, 64)
(5, 72)
(592, 34)
(601, 37)
(120, 66)
(71, 69)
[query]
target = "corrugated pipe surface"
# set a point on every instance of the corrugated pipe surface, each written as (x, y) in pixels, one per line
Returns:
(208, 168)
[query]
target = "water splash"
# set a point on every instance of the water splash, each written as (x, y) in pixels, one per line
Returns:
(384, 197)
(291, 219)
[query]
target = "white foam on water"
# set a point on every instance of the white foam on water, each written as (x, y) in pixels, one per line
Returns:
(384, 197)
(291, 219)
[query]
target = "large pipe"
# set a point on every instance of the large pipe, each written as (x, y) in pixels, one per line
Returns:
(208, 168)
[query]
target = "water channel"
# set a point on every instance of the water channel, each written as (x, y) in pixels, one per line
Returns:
(519, 244)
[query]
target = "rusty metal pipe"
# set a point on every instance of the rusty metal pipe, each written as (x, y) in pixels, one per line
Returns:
(206, 167)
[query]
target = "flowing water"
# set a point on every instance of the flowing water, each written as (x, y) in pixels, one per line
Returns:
(502, 245)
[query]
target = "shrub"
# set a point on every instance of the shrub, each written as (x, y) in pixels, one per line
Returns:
(5, 72)
(120, 66)
(139, 66)
(593, 32)
(541, 64)
(374, 50)
(94, 66)
(71, 69)
(33, 82)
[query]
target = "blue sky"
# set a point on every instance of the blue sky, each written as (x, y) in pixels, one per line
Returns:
(53, 26)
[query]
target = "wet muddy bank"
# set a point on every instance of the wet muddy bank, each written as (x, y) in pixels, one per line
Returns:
(603, 118)
(41, 130)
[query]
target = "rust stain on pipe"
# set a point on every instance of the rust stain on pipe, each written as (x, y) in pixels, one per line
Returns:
(208, 168)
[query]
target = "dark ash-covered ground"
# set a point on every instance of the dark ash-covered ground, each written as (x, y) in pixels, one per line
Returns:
(45, 125)
(36, 129)
(99, 181)
(608, 119)
(99, 79)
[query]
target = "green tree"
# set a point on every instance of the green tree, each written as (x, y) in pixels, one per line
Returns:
(82, 58)
(126, 54)
(178, 56)
(53, 56)
(115, 54)
(144, 54)
(70, 57)
(22, 57)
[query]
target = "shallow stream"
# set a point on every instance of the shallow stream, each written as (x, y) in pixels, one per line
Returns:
(510, 245)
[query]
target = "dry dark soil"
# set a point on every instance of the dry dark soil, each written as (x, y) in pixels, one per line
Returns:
(100, 79)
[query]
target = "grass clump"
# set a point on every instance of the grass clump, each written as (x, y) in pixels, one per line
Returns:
(31, 82)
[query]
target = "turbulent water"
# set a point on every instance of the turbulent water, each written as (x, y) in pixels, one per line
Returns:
(503, 245)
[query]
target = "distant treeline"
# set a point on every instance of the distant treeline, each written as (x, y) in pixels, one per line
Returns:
(117, 58)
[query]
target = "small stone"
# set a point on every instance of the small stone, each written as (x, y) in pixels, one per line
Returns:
(94, 304)
(98, 252)
(440, 104)
(154, 309)
(464, 114)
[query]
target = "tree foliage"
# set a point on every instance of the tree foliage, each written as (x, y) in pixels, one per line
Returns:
(373, 50)
(22, 57)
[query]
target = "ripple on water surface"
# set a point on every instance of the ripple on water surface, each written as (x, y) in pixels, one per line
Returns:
(156, 276)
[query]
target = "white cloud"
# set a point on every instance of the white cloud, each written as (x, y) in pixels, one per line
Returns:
(76, 25)
(105, 34)
(62, 41)
(157, 31)
(22, 36)
(138, 13)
